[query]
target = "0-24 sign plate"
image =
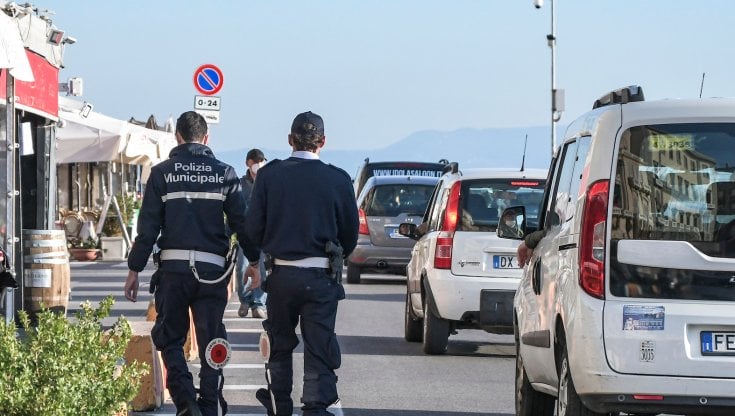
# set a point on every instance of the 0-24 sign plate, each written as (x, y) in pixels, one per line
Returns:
(204, 102)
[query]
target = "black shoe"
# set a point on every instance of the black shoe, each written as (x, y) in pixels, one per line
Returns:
(191, 408)
(264, 397)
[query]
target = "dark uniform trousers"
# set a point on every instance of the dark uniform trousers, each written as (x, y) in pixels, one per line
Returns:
(176, 291)
(308, 293)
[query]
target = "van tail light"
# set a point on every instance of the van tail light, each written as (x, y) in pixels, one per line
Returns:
(592, 241)
(363, 229)
(445, 239)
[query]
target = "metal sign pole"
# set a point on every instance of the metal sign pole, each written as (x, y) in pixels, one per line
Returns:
(552, 45)
(11, 193)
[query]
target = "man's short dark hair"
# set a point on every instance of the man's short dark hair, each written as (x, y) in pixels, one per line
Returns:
(256, 155)
(191, 126)
(307, 131)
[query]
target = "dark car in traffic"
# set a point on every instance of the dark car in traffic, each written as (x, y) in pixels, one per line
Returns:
(384, 203)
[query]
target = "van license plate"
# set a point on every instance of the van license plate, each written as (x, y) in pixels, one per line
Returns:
(505, 262)
(717, 343)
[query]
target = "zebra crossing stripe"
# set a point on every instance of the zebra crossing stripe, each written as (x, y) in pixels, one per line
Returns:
(234, 366)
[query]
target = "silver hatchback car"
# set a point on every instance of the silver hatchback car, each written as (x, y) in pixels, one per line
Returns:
(384, 203)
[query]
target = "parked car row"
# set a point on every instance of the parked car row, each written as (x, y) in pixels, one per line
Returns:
(626, 304)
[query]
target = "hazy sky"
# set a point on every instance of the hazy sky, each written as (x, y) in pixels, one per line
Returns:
(379, 70)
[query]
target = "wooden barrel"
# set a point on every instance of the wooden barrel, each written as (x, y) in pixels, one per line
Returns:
(46, 274)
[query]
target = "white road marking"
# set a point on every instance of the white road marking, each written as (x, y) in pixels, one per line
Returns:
(233, 366)
(241, 387)
(244, 345)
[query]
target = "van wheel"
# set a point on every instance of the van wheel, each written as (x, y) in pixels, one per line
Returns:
(568, 402)
(436, 330)
(413, 326)
(529, 402)
(353, 273)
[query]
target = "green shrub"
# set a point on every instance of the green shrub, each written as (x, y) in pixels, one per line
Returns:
(67, 367)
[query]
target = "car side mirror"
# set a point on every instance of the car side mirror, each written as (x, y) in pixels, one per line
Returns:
(512, 224)
(409, 230)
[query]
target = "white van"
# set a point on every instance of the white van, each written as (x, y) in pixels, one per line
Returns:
(627, 304)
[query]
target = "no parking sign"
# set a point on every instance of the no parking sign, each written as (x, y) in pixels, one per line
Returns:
(208, 79)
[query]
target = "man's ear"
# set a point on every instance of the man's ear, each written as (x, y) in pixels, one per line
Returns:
(179, 139)
(290, 140)
(205, 140)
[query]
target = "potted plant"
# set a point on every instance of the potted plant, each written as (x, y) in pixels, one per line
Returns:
(66, 366)
(84, 250)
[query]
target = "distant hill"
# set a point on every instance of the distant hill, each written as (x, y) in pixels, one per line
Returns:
(493, 147)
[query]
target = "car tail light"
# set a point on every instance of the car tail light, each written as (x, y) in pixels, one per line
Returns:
(592, 242)
(445, 239)
(443, 251)
(2, 256)
(363, 223)
(451, 214)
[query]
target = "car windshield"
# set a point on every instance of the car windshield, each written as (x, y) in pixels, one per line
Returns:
(483, 201)
(675, 182)
(393, 200)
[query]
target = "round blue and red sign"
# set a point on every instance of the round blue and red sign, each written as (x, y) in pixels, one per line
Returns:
(208, 79)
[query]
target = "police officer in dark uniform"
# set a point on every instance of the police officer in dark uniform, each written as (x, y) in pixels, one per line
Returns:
(298, 208)
(185, 201)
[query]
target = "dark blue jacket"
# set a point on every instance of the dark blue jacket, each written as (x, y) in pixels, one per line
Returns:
(297, 205)
(185, 201)
(246, 183)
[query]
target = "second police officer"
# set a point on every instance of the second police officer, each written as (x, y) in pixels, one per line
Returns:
(301, 208)
(186, 200)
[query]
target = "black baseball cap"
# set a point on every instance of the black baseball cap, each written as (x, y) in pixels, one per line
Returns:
(307, 123)
(255, 155)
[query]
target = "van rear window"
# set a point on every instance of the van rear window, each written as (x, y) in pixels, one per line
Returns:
(675, 182)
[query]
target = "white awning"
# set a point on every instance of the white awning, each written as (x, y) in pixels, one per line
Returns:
(100, 138)
(12, 52)
(94, 138)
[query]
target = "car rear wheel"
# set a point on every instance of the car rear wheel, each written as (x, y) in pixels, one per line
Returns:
(568, 402)
(413, 326)
(529, 402)
(353, 273)
(436, 330)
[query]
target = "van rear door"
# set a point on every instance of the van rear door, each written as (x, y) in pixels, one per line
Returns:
(671, 275)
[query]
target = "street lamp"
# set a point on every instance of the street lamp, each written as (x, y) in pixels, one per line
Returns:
(557, 96)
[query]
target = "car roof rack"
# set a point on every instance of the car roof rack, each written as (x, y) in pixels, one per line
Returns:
(451, 167)
(623, 95)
